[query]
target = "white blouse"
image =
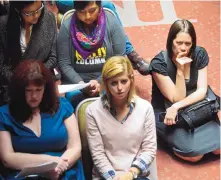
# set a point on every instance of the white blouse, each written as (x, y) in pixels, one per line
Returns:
(23, 40)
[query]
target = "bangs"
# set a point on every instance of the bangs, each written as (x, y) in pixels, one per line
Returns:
(35, 79)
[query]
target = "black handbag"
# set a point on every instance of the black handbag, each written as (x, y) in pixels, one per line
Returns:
(201, 112)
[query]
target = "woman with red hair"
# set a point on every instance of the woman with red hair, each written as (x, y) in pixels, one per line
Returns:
(37, 126)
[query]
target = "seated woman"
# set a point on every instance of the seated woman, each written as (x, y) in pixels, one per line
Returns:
(37, 127)
(85, 41)
(137, 61)
(27, 32)
(120, 116)
(187, 86)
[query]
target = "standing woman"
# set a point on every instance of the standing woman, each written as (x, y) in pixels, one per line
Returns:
(38, 127)
(121, 126)
(188, 85)
(85, 41)
(27, 32)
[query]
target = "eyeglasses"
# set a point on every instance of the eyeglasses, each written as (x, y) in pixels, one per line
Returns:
(34, 12)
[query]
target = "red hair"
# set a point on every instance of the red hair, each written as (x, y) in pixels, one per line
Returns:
(31, 72)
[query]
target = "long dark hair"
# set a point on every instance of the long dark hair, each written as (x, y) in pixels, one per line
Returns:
(31, 72)
(180, 26)
(14, 54)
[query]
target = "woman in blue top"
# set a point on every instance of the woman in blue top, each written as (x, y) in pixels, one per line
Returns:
(37, 127)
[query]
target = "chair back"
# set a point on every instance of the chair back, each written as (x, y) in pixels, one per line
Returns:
(86, 155)
(67, 15)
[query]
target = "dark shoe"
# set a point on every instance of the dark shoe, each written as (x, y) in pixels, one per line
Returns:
(138, 63)
(142, 67)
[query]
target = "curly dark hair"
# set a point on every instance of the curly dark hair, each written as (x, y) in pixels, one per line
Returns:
(31, 72)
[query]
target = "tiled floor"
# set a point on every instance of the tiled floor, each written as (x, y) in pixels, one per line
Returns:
(149, 37)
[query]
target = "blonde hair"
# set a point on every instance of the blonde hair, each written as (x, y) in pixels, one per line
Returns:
(114, 66)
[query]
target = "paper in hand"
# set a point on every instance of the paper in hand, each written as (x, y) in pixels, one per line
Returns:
(71, 87)
(37, 170)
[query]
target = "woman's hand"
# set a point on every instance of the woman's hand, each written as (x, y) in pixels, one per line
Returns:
(4, 2)
(125, 176)
(93, 89)
(181, 60)
(171, 114)
(60, 168)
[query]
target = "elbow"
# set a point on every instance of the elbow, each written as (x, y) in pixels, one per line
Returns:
(4, 159)
(8, 162)
(202, 92)
(177, 98)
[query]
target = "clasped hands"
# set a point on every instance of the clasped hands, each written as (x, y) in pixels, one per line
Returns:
(60, 168)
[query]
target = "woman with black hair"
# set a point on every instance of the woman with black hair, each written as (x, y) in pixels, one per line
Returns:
(85, 41)
(179, 80)
(27, 32)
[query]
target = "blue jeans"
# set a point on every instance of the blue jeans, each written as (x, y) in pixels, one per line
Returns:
(64, 6)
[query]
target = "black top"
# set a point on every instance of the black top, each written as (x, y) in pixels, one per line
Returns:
(158, 64)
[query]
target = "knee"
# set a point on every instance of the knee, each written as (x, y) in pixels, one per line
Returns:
(216, 152)
(190, 159)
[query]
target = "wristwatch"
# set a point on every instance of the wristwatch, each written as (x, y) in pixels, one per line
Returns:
(135, 175)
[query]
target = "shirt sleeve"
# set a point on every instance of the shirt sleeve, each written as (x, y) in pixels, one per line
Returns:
(96, 145)
(2, 119)
(51, 61)
(2, 126)
(118, 36)
(64, 54)
(158, 65)
(66, 106)
(201, 57)
(147, 153)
